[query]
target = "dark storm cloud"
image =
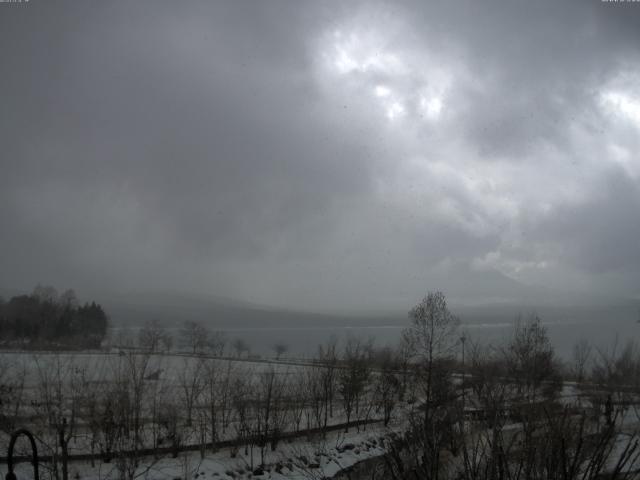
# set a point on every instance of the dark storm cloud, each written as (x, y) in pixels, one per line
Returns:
(534, 67)
(315, 154)
(598, 236)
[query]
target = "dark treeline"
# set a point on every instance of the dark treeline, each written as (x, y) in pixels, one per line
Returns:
(45, 318)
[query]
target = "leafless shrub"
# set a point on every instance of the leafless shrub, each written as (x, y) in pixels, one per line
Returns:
(153, 337)
(354, 376)
(580, 359)
(280, 349)
(195, 336)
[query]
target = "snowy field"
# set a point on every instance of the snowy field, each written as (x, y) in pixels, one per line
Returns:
(169, 380)
(49, 387)
(296, 460)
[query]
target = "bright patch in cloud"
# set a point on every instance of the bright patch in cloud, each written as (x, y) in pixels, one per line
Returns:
(395, 110)
(623, 104)
(351, 53)
(432, 107)
(404, 82)
(382, 91)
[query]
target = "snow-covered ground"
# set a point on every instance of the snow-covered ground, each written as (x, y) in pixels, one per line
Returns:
(295, 458)
(298, 459)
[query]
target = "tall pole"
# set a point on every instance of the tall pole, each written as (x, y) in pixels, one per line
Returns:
(463, 339)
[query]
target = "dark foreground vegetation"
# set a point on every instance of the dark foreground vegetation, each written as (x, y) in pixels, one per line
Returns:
(445, 407)
(512, 414)
(45, 319)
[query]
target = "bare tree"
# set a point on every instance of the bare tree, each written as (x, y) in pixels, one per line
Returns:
(280, 349)
(328, 358)
(298, 397)
(240, 347)
(45, 293)
(12, 389)
(316, 412)
(68, 299)
(151, 335)
(564, 445)
(353, 378)
(386, 384)
(191, 384)
(217, 343)
(431, 337)
(431, 340)
(166, 341)
(94, 383)
(59, 398)
(581, 355)
(484, 442)
(169, 421)
(616, 374)
(240, 392)
(270, 414)
(531, 360)
(213, 398)
(125, 338)
(195, 336)
(128, 394)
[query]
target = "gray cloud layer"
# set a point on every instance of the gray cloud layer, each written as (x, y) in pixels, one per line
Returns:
(320, 155)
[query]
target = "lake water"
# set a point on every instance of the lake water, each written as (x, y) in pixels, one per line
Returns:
(602, 326)
(563, 335)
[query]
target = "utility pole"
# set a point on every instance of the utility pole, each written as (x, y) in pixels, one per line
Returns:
(463, 339)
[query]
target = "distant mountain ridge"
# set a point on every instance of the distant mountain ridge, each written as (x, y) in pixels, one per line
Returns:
(500, 299)
(221, 312)
(214, 312)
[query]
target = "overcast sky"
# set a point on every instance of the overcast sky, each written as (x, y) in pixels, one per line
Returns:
(320, 155)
